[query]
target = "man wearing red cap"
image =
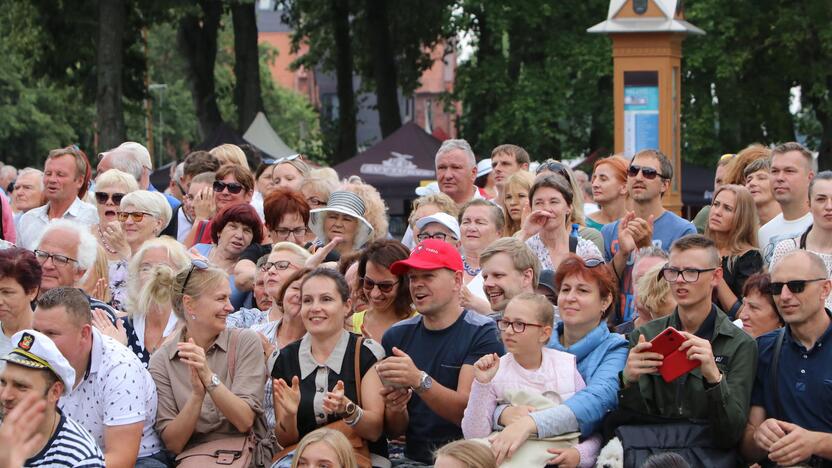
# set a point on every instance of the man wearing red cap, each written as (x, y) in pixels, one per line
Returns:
(429, 372)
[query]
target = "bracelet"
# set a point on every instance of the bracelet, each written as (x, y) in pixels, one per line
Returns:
(356, 417)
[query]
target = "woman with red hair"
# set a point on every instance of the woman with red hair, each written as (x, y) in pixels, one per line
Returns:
(609, 191)
(586, 292)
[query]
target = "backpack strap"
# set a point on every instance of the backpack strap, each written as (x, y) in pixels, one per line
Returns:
(803, 238)
(778, 346)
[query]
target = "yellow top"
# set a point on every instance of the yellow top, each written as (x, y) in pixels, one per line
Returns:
(358, 320)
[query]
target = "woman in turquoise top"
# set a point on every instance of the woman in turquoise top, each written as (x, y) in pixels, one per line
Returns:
(232, 230)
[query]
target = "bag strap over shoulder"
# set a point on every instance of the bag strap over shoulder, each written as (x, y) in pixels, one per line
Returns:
(778, 345)
(232, 354)
(358, 344)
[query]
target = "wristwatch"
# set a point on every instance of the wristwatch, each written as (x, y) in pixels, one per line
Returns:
(349, 410)
(215, 382)
(424, 384)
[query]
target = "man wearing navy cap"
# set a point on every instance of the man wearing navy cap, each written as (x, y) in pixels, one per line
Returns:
(429, 372)
(36, 367)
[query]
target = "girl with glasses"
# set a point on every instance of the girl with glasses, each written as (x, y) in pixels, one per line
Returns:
(532, 371)
(388, 295)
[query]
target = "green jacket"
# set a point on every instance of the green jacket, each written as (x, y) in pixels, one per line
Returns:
(724, 406)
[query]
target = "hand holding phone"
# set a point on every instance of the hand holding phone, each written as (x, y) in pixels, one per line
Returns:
(676, 362)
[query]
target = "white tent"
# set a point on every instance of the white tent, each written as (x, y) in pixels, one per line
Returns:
(261, 134)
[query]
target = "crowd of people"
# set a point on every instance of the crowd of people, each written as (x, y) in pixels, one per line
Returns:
(258, 312)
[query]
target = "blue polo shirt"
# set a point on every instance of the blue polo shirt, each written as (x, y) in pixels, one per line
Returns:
(440, 353)
(804, 379)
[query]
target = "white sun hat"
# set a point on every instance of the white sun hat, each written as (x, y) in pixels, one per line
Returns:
(346, 203)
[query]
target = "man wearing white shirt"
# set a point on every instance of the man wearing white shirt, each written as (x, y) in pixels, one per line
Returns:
(113, 397)
(791, 172)
(63, 177)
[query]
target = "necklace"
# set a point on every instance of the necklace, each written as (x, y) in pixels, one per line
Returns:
(469, 269)
(104, 241)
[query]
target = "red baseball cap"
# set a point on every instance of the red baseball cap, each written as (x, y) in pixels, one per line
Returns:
(430, 254)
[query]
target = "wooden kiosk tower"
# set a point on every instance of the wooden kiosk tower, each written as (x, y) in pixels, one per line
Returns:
(647, 51)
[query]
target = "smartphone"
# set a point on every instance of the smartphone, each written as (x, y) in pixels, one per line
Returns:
(675, 363)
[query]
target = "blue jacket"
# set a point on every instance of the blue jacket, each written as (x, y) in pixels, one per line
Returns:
(601, 355)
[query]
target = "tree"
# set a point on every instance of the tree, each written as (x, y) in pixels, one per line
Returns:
(247, 92)
(112, 19)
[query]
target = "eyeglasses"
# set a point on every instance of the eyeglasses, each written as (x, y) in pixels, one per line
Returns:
(384, 287)
(196, 264)
(314, 202)
(775, 288)
(233, 187)
(689, 275)
(43, 256)
(517, 326)
(436, 235)
(137, 216)
(284, 233)
(102, 197)
(648, 172)
(280, 265)
(286, 159)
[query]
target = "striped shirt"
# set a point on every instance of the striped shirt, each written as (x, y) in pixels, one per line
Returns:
(71, 445)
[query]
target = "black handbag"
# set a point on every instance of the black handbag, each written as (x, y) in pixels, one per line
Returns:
(691, 441)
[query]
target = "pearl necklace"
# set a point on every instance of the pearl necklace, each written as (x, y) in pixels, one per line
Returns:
(104, 242)
(468, 269)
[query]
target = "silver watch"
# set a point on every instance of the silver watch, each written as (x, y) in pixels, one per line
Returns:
(424, 384)
(215, 382)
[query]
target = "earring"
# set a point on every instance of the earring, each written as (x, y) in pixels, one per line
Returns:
(193, 317)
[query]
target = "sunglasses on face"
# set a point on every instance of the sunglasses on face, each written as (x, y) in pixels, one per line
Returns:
(137, 216)
(517, 326)
(196, 264)
(43, 256)
(384, 287)
(775, 288)
(102, 197)
(233, 187)
(648, 172)
(281, 265)
(689, 275)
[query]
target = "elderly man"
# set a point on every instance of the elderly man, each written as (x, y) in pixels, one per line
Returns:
(7, 175)
(28, 192)
(790, 422)
(63, 177)
(36, 372)
(134, 159)
(113, 395)
(456, 170)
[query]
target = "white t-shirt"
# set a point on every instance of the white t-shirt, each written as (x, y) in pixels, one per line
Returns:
(116, 391)
(779, 229)
(5, 342)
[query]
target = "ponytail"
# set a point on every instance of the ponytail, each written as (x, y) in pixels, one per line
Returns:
(161, 288)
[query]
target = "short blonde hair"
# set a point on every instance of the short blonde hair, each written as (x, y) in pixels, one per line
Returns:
(471, 453)
(177, 254)
(292, 248)
(375, 209)
(230, 154)
(115, 176)
(319, 180)
(151, 202)
(336, 440)
(652, 292)
(445, 204)
(521, 255)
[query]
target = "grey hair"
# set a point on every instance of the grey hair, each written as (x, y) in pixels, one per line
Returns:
(152, 202)
(126, 161)
(459, 144)
(32, 170)
(180, 172)
(87, 244)
(7, 169)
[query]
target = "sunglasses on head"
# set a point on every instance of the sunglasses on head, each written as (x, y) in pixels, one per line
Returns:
(233, 187)
(102, 197)
(556, 167)
(196, 264)
(648, 172)
(137, 216)
(775, 288)
(384, 287)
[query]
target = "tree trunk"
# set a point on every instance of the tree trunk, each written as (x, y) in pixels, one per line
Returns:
(345, 147)
(197, 38)
(247, 94)
(112, 19)
(384, 67)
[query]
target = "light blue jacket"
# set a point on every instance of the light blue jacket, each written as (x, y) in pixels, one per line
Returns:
(601, 355)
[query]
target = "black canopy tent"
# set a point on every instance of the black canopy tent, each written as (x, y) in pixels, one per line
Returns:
(396, 166)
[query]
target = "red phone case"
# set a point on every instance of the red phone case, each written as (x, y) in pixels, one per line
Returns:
(675, 363)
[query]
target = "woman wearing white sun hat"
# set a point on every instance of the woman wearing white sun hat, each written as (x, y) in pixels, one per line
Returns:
(343, 217)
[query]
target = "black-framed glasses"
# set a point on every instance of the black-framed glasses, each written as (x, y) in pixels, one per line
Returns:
(233, 187)
(648, 172)
(137, 216)
(775, 288)
(689, 275)
(102, 197)
(384, 286)
(435, 235)
(196, 264)
(517, 325)
(43, 256)
(281, 265)
(284, 233)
